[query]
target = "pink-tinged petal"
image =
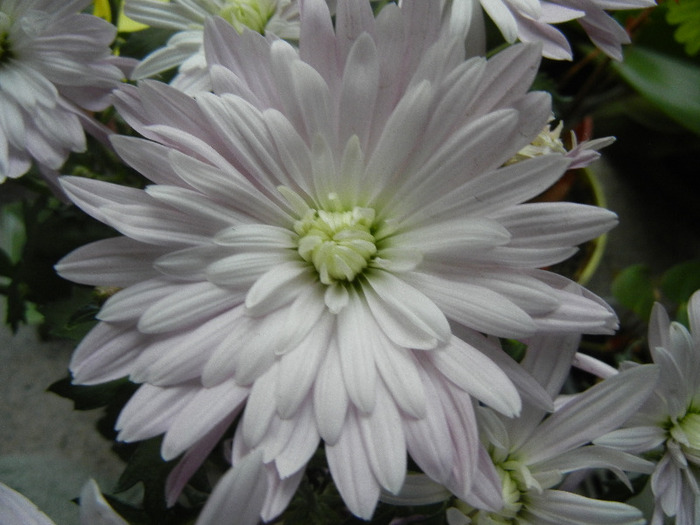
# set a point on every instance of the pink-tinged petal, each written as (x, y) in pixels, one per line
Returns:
(357, 335)
(148, 158)
(189, 305)
(297, 368)
(448, 240)
(556, 506)
(182, 356)
(239, 496)
(659, 326)
(106, 353)
(195, 205)
(18, 510)
(279, 493)
(353, 18)
(224, 179)
(418, 489)
(243, 269)
(119, 261)
(248, 351)
(398, 369)
(193, 459)
(397, 306)
(278, 287)
(151, 411)
(555, 224)
(359, 90)
(516, 66)
(400, 136)
(301, 446)
(248, 56)
(207, 408)
(428, 440)
(554, 43)
(94, 509)
(351, 470)
(487, 490)
(475, 306)
(304, 94)
(384, 442)
(493, 190)
(634, 439)
(477, 375)
(317, 38)
(130, 303)
(331, 398)
(260, 409)
(599, 410)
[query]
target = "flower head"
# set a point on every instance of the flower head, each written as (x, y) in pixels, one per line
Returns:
(535, 451)
(53, 62)
(668, 423)
(319, 229)
(185, 48)
(532, 21)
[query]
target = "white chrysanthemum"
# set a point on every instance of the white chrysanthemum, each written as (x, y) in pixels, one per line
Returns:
(669, 421)
(531, 21)
(53, 62)
(317, 229)
(185, 48)
(534, 452)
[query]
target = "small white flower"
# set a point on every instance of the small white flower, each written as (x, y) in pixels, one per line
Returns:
(532, 21)
(669, 422)
(185, 48)
(54, 62)
(533, 452)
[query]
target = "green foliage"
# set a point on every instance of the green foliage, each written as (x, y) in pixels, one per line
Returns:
(634, 289)
(669, 83)
(685, 14)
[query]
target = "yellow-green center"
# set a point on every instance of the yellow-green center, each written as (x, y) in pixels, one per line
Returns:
(686, 431)
(253, 14)
(339, 244)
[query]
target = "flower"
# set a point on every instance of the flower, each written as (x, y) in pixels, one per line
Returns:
(669, 422)
(53, 64)
(531, 21)
(549, 141)
(533, 452)
(319, 230)
(185, 50)
(94, 509)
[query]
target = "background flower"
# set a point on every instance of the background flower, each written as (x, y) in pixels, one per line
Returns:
(669, 421)
(54, 63)
(531, 21)
(184, 49)
(533, 453)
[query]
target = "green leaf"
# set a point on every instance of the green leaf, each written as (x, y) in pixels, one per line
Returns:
(92, 396)
(634, 289)
(685, 14)
(671, 84)
(679, 283)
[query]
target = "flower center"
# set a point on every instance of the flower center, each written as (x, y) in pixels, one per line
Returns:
(687, 431)
(253, 14)
(339, 244)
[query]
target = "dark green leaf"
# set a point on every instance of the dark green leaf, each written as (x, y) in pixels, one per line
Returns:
(673, 85)
(679, 283)
(634, 289)
(90, 397)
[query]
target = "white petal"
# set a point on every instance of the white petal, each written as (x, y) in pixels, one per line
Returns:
(94, 509)
(239, 495)
(351, 470)
(278, 286)
(405, 315)
(330, 397)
